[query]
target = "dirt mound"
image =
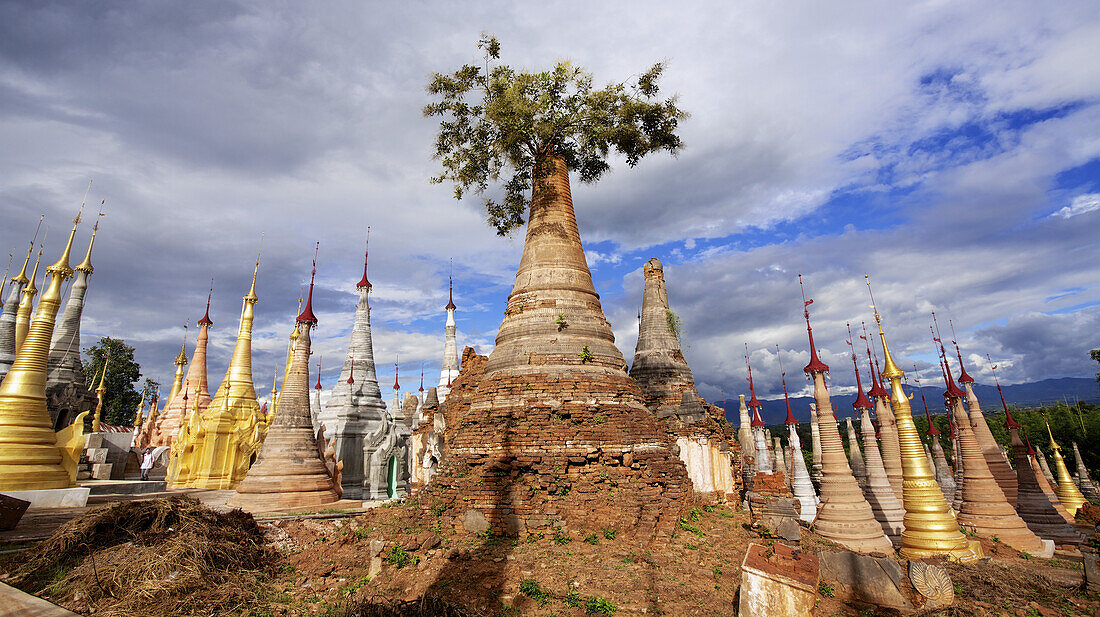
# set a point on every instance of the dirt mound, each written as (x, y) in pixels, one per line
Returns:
(154, 557)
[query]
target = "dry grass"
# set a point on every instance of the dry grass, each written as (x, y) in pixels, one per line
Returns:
(155, 557)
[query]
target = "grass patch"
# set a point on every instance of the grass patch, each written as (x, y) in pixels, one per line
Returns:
(398, 557)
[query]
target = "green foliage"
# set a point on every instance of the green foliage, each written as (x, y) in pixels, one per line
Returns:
(586, 355)
(609, 534)
(592, 539)
(499, 125)
(1095, 355)
(573, 599)
(561, 538)
(695, 514)
(531, 588)
(398, 557)
(686, 526)
(120, 400)
(825, 589)
(675, 325)
(598, 606)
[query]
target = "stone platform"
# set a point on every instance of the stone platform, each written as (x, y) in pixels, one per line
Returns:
(15, 603)
(54, 498)
(125, 487)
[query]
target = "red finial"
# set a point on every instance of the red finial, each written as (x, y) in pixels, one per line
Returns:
(815, 365)
(318, 386)
(1030, 451)
(932, 430)
(396, 373)
(421, 376)
(756, 421)
(451, 289)
(786, 398)
(307, 316)
(366, 252)
(963, 377)
(753, 402)
(263, 409)
(861, 399)
(1009, 422)
(351, 370)
(876, 386)
(953, 391)
(205, 321)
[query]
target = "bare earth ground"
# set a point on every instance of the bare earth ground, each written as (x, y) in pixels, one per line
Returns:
(321, 566)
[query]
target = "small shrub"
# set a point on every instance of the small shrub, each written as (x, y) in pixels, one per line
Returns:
(398, 557)
(535, 537)
(561, 538)
(609, 534)
(586, 355)
(592, 539)
(717, 570)
(573, 599)
(598, 606)
(825, 589)
(531, 588)
(995, 539)
(695, 514)
(1025, 555)
(686, 526)
(600, 419)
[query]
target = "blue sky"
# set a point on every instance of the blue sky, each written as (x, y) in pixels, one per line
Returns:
(949, 151)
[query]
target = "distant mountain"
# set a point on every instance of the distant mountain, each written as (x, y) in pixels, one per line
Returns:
(1034, 394)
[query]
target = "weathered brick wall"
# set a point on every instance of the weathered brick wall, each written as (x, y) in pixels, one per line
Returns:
(571, 450)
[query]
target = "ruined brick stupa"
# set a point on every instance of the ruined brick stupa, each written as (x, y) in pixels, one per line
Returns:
(659, 364)
(556, 423)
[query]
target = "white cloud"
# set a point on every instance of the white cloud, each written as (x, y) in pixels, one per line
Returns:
(1080, 205)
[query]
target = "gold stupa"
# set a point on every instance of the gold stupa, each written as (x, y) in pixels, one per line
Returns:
(930, 528)
(30, 456)
(100, 391)
(1067, 491)
(232, 428)
(26, 305)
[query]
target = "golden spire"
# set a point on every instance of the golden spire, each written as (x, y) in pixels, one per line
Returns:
(86, 265)
(140, 408)
(252, 298)
(1066, 490)
(930, 527)
(891, 369)
(22, 276)
(26, 307)
(61, 267)
(100, 390)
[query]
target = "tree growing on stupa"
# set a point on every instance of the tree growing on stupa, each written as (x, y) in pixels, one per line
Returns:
(500, 125)
(121, 398)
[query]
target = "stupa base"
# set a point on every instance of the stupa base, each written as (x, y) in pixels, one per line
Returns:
(270, 502)
(973, 552)
(76, 497)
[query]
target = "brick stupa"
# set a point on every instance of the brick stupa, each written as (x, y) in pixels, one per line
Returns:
(844, 515)
(556, 427)
(659, 365)
(166, 425)
(290, 470)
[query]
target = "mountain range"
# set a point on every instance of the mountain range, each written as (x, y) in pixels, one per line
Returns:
(1031, 394)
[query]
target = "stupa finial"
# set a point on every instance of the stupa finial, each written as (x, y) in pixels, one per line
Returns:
(815, 365)
(86, 264)
(205, 321)
(366, 253)
(1009, 422)
(307, 316)
(786, 398)
(753, 402)
(861, 401)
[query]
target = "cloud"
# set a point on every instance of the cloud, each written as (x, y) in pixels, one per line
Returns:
(1080, 205)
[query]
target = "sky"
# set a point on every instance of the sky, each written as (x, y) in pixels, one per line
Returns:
(949, 150)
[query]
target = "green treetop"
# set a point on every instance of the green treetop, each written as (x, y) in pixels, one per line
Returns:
(502, 125)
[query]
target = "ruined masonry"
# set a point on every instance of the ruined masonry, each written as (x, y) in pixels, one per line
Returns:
(556, 432)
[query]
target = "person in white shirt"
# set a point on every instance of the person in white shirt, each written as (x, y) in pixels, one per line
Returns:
(146, 463)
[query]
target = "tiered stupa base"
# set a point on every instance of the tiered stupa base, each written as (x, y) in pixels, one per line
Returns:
(289, 474)
(564, 446)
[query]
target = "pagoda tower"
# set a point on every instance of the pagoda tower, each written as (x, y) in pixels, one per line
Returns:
(67, 392)
(994, 456)
(801, 486)
(449, 372)
(855, 457)
(176, 408)
(1033, 504)
(539, 374)
(744, 428)
(1084, 482)
(355, 406)
(232, 427)
(1045, 485)
(944, 476)
(815, 439)
(659, 366)
(290, 471)
(1045, 466)
(984, 508)
(844, 516)
(30, 456)
(930, 529)
(889, 444)
(760, 439)
(1067, 491)
(26, 307)
(8, 315)
(880, 495)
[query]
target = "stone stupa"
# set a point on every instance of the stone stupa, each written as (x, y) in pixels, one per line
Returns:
(556, 421)
(844, 515)
(290, 470)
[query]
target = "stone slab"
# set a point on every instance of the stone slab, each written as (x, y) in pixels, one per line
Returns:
(865, 579)
(102, 471)
(777, 580)
(93, 440)
(119, 442)
(19, 604)
(54, 498)
(125, 487)
(96, 456)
